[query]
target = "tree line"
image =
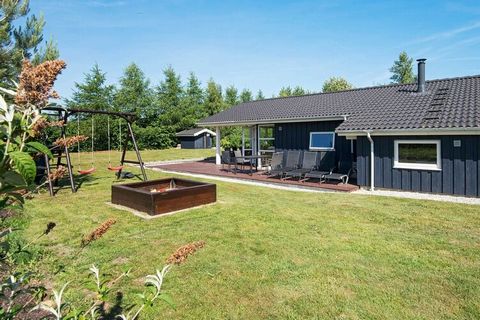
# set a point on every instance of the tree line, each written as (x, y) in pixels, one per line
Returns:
(169, 107)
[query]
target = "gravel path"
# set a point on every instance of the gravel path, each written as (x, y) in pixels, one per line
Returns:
(421, 196)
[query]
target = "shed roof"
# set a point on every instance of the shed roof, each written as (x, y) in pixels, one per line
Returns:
(194, 132)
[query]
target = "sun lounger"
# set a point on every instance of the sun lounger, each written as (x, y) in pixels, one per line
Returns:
(343, 173)
(293, 158)
(308, 164)
(276, 165)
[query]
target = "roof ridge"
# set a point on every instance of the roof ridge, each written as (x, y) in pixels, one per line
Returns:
(364, 88)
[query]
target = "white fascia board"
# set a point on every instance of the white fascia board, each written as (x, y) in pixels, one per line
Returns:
(205, 130)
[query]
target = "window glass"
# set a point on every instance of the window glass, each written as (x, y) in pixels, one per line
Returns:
(322, 140)
(266, 132)
(267, 145)
(417, 153)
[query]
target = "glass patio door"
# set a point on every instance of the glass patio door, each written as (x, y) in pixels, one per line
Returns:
(266, 140)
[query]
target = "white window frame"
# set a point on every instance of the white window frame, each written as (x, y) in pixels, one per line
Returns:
(417, 166)
(322, 148)
(260, 139)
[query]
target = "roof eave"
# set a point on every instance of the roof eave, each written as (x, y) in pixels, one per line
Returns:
(410, 132)
(270, 121)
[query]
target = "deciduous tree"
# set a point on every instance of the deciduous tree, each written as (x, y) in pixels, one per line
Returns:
(336, 84)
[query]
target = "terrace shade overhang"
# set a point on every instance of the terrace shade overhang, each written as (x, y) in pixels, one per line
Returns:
(246, 123)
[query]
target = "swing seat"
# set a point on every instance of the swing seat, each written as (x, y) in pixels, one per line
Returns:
(116, 169)
(88, 171)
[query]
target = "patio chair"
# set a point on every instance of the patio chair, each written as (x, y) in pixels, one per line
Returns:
(343, 173)
(293, 158)
(276, 165)
(239, 160)
(326, 167)
(308, 164)
(227, 160)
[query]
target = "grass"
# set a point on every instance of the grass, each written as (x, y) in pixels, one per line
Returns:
(276, 254)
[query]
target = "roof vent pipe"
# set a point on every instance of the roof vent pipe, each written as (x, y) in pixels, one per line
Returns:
(421, 75)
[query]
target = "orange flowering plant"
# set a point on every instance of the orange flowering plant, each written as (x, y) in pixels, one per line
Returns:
(19, 122)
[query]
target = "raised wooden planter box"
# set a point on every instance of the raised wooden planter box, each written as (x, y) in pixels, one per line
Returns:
(165, 195)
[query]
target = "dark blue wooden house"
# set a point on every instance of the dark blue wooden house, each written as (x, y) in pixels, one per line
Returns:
(197, 138)
(422, 137)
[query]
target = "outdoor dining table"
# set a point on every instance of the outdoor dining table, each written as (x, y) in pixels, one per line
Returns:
(251, 158)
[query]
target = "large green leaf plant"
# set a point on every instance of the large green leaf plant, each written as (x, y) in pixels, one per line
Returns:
(17, 148)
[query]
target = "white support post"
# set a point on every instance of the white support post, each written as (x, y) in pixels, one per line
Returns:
(372, 161)
(218, 158)
(243, 141)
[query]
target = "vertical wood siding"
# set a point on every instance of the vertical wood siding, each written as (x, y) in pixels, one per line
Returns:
(460, 174)
(195, 142)
(296, 136)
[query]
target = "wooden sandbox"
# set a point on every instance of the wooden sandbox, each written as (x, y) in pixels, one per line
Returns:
(164, 195)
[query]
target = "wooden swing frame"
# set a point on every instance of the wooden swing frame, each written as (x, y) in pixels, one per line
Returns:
(64, 113)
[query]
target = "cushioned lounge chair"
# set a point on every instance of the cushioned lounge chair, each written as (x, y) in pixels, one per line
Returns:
(276, 165)
(309, 163)
(293, 158)
(239, 160)
(343, 173)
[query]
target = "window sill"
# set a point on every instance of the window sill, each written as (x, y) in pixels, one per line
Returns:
(417, 168)
(321, 149)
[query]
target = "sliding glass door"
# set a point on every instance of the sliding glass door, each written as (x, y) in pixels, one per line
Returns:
(266, 140)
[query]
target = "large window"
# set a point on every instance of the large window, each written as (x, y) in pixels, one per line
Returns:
(417, 154)
(266, 139)
(322, 141)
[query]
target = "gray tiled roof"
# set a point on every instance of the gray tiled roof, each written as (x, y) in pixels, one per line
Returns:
(189, 132)
(447, 103)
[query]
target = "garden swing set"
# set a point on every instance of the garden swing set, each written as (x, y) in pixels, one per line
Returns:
(59, 153)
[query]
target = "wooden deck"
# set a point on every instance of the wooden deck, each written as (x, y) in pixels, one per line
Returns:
(210, 168)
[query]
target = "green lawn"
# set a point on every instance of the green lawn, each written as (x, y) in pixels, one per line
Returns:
(276, 254)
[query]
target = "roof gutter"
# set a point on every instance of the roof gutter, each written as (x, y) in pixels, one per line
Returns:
(411, 132)
(372, 161)
(269, 121)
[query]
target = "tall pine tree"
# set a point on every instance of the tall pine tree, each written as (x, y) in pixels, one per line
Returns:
(213, 98)
(246, 95)
(259, 95)
(94, 93)
(285, 92)
(231, 96)
(402, 69)
(192, 103)
(135, 95)
(19, 41)
(169, 97)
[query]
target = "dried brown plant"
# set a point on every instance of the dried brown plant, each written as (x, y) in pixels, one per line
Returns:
(69, 141)
(50, 227)
(57, 174)
(181, 254)
(36, 82)
(98, 232)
